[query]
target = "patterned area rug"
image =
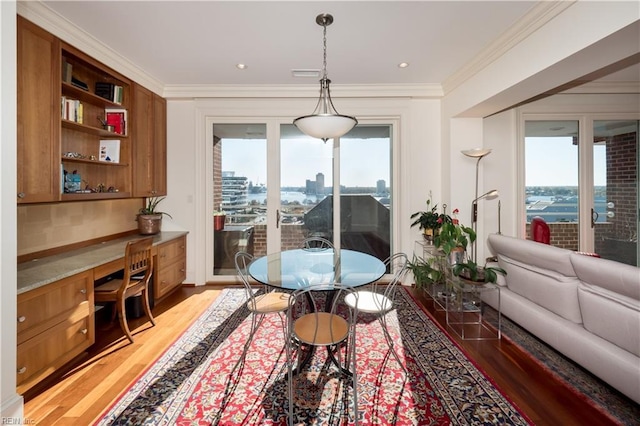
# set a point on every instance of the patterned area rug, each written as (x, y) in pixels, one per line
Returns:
(194, 382)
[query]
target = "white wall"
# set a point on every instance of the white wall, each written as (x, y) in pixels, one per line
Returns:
(417, 171)
(10, 402)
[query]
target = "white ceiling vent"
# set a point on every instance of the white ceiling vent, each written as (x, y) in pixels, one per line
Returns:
(306, 73)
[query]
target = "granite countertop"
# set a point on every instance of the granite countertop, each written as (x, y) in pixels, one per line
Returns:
(39, 272)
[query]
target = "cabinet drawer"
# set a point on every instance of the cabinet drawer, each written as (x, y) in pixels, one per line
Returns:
(40, 356)
(51, 304)
(169, 277)
(172, 250)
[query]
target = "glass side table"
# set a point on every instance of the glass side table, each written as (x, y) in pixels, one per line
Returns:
(465, 311)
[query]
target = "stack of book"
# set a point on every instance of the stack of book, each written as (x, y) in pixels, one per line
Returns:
(117, 117)
(72, 110)
(110, 91)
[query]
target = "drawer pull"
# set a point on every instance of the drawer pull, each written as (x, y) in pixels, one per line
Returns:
(182, 270)
(84, 331)
(21, 194)
(83, 290)
(22, 370)
(22, 318)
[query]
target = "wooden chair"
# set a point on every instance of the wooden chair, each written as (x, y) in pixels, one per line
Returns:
(137, 274)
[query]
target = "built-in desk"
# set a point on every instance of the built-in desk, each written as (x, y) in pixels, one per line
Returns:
(55, 299)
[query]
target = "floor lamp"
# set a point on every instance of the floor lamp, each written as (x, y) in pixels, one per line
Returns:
(474, 214)
(479, 154)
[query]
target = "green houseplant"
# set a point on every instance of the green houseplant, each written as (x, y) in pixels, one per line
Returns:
(149, 218)
(428, 221)
(454, 236)
(425, 272)
(471, 271)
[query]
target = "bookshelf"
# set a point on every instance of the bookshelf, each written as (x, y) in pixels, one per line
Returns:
(82, 138)
(69, 105)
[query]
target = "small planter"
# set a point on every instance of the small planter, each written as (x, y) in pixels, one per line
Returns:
(218, 222)
(456, 256)
(149, 224)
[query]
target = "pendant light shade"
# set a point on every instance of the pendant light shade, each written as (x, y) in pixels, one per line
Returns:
(325, 122)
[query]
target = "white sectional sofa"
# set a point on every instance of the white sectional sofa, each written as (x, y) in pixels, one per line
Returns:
(585, 307)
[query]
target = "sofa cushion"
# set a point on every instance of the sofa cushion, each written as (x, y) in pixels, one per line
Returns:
(614, 317)
(549, 289)
(609, 296)
(541, 273)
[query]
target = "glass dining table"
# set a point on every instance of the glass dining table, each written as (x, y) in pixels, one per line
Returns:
(301, 268)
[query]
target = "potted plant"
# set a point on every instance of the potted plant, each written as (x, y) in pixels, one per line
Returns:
(425, 272)
(428, 220)
(453, 238)
(149, 219)
(470, 271)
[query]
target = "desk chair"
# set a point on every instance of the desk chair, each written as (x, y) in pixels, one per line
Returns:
(138, 267)
(334, 328)
(316, 243)
(378, 299)
(259, 304)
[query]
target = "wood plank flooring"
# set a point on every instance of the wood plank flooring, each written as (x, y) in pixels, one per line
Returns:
(86, 388)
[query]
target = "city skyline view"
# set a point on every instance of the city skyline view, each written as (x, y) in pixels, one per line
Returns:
(302, 159)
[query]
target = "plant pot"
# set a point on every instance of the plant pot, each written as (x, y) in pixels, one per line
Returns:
(428, 234)
(456, 255)
(149, 224)
(218, 222)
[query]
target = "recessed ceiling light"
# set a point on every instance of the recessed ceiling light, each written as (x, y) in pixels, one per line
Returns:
(403, 64)
(241, 66)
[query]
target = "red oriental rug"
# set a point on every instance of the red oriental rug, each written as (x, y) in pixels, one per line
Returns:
(193, 382)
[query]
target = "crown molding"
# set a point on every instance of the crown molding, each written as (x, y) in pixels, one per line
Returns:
(43, 16)
(416, 91)
(605, 87)
(536, 18)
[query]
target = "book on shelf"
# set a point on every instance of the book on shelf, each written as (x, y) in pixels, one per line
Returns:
(117, 117)
(110, 91)
(78, 83)
(72, 110)
(109, 150)
(67, 70)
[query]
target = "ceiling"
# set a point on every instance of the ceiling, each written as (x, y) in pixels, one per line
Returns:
(200, 42)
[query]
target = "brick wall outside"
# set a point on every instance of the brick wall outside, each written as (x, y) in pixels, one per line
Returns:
(292, 236)
(217, 173)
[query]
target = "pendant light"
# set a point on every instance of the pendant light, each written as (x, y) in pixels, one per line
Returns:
(325, 122)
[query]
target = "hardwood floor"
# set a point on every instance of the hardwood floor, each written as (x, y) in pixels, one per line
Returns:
(80, 393)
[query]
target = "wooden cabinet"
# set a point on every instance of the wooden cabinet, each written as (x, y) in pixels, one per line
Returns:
(150, 149)
(55, 78)
(171, 267)
(84, 139)
(38, 132)
(55, 324)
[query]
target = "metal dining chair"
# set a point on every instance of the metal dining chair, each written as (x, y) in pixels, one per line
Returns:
(334, 328)
(378, 298)
(260, 300)
(138, 267)
(316, 243)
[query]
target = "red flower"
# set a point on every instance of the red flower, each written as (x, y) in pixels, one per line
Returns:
(439, 220)
(456, 211)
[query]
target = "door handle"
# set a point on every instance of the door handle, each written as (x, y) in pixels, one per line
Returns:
(594, 217)
(278, 218)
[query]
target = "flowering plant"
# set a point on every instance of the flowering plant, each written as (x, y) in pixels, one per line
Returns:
(430, 218)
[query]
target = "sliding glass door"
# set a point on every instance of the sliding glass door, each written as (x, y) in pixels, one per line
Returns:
(273, 186)
(584, 184)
